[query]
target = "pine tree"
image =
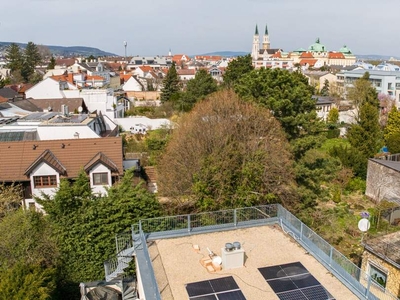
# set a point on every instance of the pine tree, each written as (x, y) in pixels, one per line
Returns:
(51, 64)
(392, 131)
(170, 85)
(198, 88)
(325, 88)
(31, 59)
(14, 57)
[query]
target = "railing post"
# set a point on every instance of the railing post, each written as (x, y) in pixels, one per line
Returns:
(330, 256)
(188, 221)
(368, 287)
(116, 243)
(234, 217)
(106, 269)
(301, 231)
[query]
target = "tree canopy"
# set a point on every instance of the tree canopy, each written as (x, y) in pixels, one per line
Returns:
(170, 85)
(236, 69)
(197, 89)
(227, 153)
(392, 131)
(85, 225)
(289, 97)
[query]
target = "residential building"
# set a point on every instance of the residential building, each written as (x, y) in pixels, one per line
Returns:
(381, 261)
(385, 82)
(50, 88)
(56, 126)
(40, 165)
(261, 252)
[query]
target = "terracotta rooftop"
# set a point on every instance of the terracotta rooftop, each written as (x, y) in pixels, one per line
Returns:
(336, 55)
(306, 55)
(310, 61)
(73, 154)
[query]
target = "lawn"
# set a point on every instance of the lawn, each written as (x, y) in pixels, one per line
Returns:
(330, 143)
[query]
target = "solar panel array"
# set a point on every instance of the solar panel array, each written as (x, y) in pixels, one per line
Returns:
(293, 282)
(224, 288)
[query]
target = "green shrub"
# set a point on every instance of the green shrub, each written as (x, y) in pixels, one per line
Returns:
(356, 184)
(333, 133)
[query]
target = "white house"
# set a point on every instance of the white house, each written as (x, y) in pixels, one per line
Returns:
(40, 165)
(150, 124)
(133, 85)
(52, 89)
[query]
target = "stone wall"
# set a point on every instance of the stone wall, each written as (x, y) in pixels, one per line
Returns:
(382, 182)
(393, 273)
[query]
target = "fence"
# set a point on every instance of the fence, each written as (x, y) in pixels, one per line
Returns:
(346, 271)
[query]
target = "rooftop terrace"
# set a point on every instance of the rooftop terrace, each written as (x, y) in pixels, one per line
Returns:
(166, 260)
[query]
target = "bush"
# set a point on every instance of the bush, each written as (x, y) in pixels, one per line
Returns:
(356, 184)
(333, 133)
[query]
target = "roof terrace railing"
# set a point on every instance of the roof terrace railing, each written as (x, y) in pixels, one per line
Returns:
(359, 282)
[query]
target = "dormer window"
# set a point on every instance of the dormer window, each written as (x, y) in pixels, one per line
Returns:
(100, 179)
(45, 181)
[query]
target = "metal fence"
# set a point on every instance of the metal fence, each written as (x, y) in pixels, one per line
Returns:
(345, 270)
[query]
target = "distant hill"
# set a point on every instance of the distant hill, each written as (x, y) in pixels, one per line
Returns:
(375, 57)
(226, 53)
(66, 51)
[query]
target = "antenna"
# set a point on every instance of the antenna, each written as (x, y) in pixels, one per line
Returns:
(125, 45)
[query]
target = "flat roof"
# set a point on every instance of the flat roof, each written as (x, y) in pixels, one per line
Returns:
(176, 262)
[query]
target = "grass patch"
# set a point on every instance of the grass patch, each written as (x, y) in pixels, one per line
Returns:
(330, 143)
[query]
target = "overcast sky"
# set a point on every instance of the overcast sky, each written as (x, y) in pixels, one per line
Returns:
(152, 27)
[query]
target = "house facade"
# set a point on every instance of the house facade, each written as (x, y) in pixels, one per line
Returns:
(381, 261)
(40, 165)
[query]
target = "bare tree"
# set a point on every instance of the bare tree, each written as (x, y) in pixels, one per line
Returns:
(227, 153)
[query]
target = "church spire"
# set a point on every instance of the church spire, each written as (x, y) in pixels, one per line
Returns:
(266, 29)
(256, 30)
(266, 43)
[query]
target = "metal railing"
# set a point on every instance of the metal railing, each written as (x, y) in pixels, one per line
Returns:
(358, 281)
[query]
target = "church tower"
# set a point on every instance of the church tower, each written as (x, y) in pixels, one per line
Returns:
(266, 44)
(256, 45)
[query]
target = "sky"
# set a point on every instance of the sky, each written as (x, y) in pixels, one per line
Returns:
(152, 27)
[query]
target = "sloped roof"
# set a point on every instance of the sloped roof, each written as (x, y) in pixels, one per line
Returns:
(306, 55)
(55, 104)
(336, 55)
(47, 157)
(310, 61)
(186, 72)
(73, 154)
(103, 159)
(8, 93)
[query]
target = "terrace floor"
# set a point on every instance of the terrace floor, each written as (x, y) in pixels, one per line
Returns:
(176, 263)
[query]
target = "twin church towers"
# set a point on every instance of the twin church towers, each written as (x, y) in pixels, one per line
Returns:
(256, 43)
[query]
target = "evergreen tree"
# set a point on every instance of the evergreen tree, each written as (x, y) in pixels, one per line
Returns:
(366, 134)
(392, 131)
(333, 116)
(31, 59)
(236, 69)
(170, 85)
(14, 57)
(325, 88)
(288, 96)
(198, 88)
(52, 63)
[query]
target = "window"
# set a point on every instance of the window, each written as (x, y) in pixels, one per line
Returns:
(45, 181)
(379, 276)
(100, 178)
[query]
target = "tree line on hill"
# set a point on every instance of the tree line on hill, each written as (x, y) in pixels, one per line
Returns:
(255, 139)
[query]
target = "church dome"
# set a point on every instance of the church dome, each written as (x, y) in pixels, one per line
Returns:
(317, 47)
(345, 50)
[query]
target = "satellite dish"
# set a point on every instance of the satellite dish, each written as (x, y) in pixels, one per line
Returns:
(80, 109)
(364, 225)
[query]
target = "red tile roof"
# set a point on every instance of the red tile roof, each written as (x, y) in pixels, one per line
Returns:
(182, 72)
(310, 61)
(277, 55)
(335, 55)
(306, 55)
(94, 77)
(146, 68)
(72, 154)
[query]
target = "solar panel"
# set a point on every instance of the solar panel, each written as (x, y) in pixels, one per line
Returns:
(216, 289)
(293, 282)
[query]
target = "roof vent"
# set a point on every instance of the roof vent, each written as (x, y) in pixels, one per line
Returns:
(236, 245)
(229, 247)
